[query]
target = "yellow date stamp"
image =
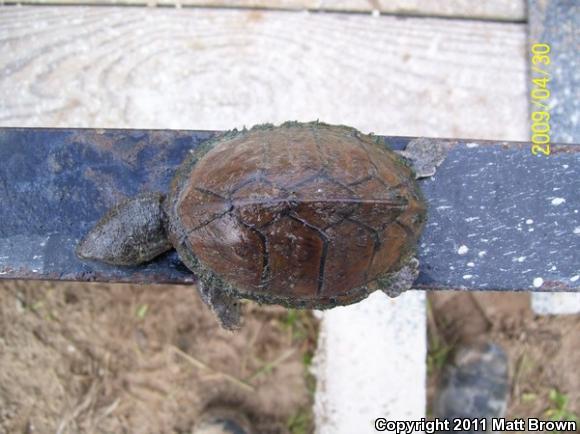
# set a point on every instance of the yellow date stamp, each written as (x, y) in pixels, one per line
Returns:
(539, 94)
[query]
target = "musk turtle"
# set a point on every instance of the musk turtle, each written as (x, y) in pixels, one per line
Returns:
(306, 215)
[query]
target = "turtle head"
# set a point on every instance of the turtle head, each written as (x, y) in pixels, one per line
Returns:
(131, 233)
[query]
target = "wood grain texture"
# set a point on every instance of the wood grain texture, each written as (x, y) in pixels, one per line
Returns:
(501, 10)
(216, 69)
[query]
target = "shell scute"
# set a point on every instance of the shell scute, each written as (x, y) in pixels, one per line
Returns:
(298, 247)
(323, 202)
(255, 206)
(348, 267)
(199, 207)
(381, 205)
(236, 165)
(350, 167)
(230, 249)
(392, 248)
(290, 156)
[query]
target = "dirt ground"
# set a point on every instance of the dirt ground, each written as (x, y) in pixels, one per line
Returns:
(543, 351)
(94, 358)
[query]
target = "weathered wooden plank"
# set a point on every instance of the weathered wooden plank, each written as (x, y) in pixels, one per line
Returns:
(210, 69)
(473, 9)
(499, 218)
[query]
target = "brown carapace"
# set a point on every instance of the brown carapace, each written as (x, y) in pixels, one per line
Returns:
(305, 215)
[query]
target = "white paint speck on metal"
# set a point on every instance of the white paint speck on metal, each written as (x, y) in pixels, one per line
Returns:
(370, 363)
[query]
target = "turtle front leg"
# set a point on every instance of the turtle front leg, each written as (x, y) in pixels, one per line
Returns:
(394, 284)
(226, 307)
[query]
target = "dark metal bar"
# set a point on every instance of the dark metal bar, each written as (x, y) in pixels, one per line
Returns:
(499, 218)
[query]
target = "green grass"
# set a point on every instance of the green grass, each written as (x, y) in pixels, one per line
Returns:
(529, 397)
(299, 322)
(438, 350)
(303, 330)
(300, 422)
(437, 356)
(142, 311)
(559, 408)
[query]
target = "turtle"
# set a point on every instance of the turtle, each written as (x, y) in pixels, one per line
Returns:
(304, 215)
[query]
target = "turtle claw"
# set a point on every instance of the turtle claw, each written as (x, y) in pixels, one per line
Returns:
(226, 307)
(402, 280)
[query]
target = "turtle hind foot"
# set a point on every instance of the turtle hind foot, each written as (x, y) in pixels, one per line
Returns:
(226, 307)
(425, 155)
(131, 233)
(394, 284)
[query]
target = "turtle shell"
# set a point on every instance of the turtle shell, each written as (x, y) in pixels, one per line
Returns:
(306, 215)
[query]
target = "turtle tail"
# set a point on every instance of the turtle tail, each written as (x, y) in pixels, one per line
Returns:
(131, 233)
